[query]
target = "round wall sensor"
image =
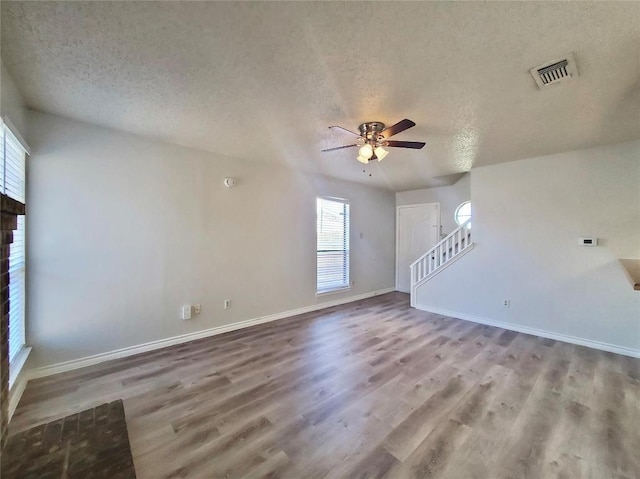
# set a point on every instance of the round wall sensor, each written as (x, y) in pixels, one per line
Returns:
(229, 182)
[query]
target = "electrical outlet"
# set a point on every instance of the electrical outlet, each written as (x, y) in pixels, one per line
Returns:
(507, 303)
(196, 309)
(227, 303)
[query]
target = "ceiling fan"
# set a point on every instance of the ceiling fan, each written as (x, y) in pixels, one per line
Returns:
(374, 137)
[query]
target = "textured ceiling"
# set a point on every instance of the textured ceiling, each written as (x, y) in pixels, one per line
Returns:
(263, 81)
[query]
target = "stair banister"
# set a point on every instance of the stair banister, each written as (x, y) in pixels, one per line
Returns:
(440, 255)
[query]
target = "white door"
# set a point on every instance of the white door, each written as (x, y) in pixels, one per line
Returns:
(418, 229)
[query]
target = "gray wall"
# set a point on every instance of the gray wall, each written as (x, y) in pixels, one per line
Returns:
(528, 216)
(124, 230)
(11, 101)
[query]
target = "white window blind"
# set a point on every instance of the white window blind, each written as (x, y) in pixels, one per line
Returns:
(332, 226)
(12, 183)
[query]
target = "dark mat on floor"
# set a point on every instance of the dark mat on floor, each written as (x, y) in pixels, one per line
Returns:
(87, 445)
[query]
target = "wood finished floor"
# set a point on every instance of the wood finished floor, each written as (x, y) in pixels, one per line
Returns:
(369, 389)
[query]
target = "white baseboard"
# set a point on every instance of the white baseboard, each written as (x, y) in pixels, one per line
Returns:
(15, 394)
(163, 343)
(612, 348)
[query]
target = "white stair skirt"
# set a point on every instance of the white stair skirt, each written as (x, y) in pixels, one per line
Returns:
(451, 248)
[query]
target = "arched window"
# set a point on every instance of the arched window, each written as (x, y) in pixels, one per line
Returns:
(463, 213)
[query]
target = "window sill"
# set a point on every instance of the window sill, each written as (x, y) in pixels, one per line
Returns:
(17, 364)
(331, 291)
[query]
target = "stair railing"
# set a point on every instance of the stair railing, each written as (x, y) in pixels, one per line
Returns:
(440, 255)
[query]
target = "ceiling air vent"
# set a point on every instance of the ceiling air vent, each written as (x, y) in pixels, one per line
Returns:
(554, 72)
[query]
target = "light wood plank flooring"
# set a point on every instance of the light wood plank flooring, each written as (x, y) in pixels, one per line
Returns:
(369, 389)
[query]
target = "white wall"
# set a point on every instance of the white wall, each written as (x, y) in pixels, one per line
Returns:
(449, 197)
(528, 216)
(124, 230)
(11, 101)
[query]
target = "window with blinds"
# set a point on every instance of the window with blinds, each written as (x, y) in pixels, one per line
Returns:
(12, 184)
(332, 226)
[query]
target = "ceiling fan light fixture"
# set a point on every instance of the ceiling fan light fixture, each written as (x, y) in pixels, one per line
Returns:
(374, 136)
(381, 153)
(365, 152)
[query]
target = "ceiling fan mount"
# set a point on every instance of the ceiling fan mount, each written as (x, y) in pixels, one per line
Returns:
(374, 136)
(371, 130)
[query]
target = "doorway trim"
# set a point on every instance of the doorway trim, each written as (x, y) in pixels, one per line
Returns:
(398, 230)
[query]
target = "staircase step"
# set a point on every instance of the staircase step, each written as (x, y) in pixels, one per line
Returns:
(631, 267)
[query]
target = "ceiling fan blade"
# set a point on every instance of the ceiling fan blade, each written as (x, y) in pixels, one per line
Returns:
(416, 145)
(348, 131)
(339, 147)
(397, 128)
